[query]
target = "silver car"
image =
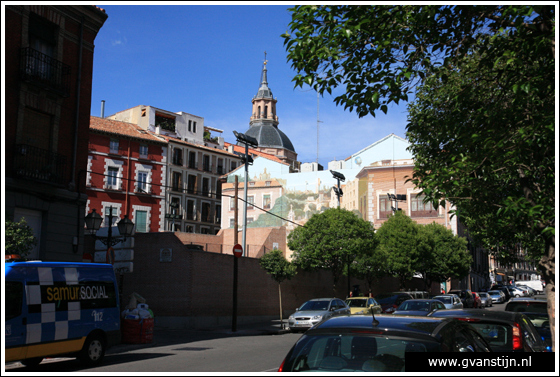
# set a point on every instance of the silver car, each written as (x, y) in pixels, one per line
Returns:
(450, 301)
(497, 296)
(485, 299)
(315, 311)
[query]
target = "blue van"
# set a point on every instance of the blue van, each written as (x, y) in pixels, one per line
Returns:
(60, 309)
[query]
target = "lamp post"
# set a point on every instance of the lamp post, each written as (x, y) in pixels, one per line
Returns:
(126, 229)
(337, 190)
(247, 160)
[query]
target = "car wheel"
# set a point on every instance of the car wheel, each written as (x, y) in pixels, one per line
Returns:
(93, 351)
(32, 362)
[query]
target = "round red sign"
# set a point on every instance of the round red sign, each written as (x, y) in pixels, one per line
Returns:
(237, 250)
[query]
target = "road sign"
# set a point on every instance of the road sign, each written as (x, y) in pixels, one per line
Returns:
(237, 250)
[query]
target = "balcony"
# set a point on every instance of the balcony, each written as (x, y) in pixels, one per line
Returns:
(43, 70)
(39, 164)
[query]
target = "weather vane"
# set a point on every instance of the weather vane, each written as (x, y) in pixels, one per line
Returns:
(265, 61)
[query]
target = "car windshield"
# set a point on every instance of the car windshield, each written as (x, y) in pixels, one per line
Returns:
(444, 299)
(357, 303)
(353, 353)
(493, 293)
(498, 336)
(527, 306)
(415, 305)
(385, 298)
(315, 305)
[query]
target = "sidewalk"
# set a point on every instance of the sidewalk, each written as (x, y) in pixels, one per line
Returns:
(166, 336)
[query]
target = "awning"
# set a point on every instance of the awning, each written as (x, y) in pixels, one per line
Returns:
(499, 273)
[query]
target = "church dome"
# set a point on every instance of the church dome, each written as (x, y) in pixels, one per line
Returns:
(270, 136)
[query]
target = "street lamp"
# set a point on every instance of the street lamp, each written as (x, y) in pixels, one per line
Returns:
(337, 190)
(247, 140)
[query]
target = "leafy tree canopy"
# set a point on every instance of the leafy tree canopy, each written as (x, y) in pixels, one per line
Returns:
(277, 266)
(330, 240)
(19, 238)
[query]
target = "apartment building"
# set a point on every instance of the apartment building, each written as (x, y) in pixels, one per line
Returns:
(48, 74)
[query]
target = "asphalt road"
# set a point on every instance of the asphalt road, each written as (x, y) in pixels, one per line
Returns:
(255, 353)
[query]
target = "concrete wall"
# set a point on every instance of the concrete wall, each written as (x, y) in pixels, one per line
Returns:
(195, 289)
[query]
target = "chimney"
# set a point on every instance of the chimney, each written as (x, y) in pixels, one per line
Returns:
(102, 108)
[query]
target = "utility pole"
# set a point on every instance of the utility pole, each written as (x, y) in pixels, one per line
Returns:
(235, 260)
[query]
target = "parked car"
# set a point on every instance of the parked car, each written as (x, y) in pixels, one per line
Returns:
(315, 311)
(363, 305)
(419, 307)
(502, 288)
(517, 292)
(466, 297)
(537, 285)
(418, 294)
(536, 309)
(532, 292)
(504, 331)
(390, 301)
(450, 301)
(485, 299)
(497, 296)
(477, 300)
(356, 344)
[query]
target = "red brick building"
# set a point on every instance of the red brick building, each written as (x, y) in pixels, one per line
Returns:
(126, 171)
(48, 73)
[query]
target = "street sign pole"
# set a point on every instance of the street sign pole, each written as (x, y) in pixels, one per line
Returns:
(235, 260)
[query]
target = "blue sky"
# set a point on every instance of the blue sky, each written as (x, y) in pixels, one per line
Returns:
(207, 60)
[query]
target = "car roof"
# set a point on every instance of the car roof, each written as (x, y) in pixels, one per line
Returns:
(421, 300)
(528, 299)
(322, 299)
(496, 316)
(407, 324)
(358, 298)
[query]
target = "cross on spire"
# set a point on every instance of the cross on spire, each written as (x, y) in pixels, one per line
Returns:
(265, 61)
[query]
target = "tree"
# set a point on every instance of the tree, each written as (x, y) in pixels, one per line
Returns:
(279, 269)
(19, 238)
(370, 266)
(330, 240)
(442, 255)
(398, 241)
(491, 154)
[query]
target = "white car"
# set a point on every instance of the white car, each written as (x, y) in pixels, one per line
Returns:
(450, 301)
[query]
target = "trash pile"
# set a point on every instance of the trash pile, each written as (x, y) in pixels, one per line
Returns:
(137, 321)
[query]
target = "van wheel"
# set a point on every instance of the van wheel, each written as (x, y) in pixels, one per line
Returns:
(32, 362)
(93, 351)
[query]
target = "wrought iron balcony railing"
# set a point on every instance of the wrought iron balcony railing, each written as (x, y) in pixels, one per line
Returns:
(42, 69)
(39, 164)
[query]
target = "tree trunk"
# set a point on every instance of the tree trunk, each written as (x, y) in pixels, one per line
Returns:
(547, 266)
(280, 297)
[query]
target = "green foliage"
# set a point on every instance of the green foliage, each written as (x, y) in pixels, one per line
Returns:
(19, 238)
(330, 240)
(378, 54)
(398, 242)
(442, 255)
(277, 266)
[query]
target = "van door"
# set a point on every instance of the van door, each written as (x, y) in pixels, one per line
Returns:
(16, 321)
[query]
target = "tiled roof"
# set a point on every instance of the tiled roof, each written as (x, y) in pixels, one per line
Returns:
(252, 184)
(240, 149)
(199, 146)
(116, 127)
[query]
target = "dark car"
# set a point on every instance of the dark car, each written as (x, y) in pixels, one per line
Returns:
(466, 297)
(315, 311)
(503, 288)
(419, 307)
(390, 301)
(504, 331)
(477, 300)
(360, 344)
(536, 310)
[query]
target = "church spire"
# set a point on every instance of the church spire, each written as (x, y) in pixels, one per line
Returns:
(264, 90)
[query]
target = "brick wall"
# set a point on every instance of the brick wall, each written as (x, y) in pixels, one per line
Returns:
(195, 289)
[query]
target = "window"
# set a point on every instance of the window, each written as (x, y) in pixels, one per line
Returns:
(141, 218)
(177, 156)
(204, 230)
(143, 112)
(175, 206)
(142, 181)
(42, 38)
(231, 204)
(205, 212)
(218, 214)
(420, 209)
(107, 215)
(231, 223)
(220, 166)
(249, 220)
(177, 184)
(192, 160)
(143, 151)
(250, 202)
(194, 127)
(384, 207)
(38, 129)
(205, 187)
(206, 163)
(114, 146)
(191, 214)
(267, 183)
(251, 184)
(233, 165)
(189, 229)
(266, 201)
(112, 174)
(190, 125)
(192, 184)
(165, 122)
